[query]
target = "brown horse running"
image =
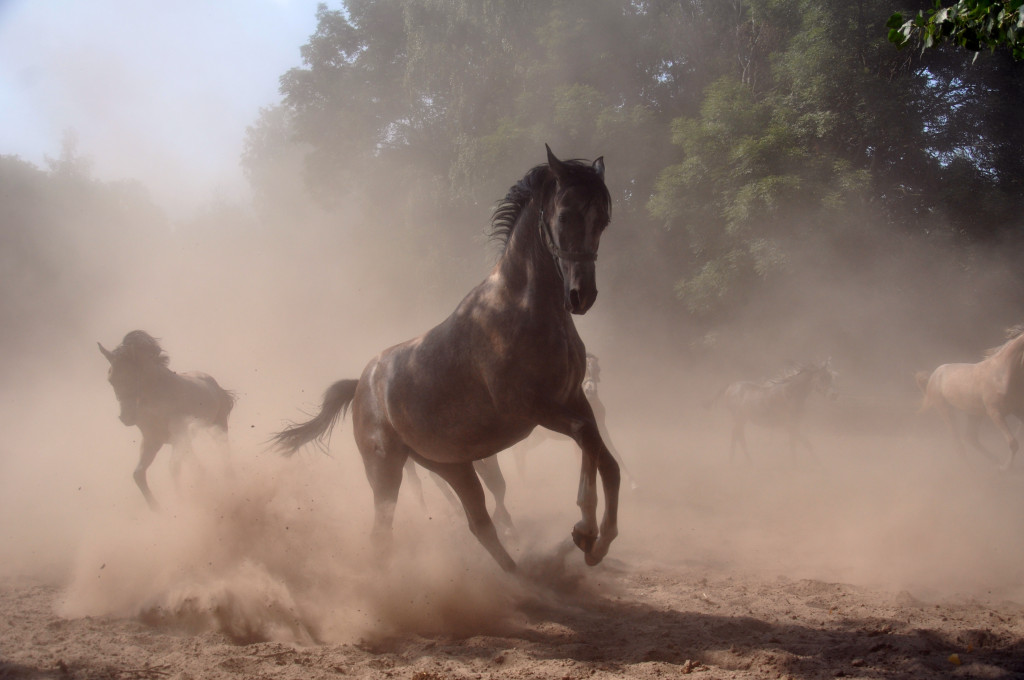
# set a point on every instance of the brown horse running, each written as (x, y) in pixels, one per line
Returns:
(162, 403)
(508, 359)
(992, 387)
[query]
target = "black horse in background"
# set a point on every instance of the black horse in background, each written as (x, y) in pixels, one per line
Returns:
(508, 359)
(161, 403)
(778, 402)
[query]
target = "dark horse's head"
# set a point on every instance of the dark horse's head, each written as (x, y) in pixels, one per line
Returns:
(129, 363)
(573, 207)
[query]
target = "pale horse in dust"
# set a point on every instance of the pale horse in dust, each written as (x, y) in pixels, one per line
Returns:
(778, 402)
(163, 404)
(992, 387)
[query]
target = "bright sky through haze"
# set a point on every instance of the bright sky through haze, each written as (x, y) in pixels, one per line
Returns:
(159, 92)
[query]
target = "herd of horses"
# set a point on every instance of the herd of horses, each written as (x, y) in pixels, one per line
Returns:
(507, 360)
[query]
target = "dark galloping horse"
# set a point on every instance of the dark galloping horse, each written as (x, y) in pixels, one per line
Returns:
(162, 403)
(507, 360)
(777, 402)
(992, 387)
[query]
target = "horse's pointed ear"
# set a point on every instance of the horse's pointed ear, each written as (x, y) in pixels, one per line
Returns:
(599, 167)
(556, 165)
(109, 355)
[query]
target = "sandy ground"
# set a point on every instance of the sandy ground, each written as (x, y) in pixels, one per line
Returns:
(624, 620)
(881, 559)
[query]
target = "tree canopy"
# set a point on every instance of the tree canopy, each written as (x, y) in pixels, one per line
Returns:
(737, 134)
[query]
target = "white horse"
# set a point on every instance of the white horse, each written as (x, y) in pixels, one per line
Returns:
(992, 387)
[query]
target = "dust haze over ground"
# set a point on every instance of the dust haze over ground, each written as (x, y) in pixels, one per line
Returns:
(264, 548)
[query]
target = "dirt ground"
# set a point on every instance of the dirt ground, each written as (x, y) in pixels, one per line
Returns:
(881, 558)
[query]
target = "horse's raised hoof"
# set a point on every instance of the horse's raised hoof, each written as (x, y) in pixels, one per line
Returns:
(591, 559)
(584, 542)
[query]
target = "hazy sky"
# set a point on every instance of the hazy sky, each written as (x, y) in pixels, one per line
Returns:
(156, 91)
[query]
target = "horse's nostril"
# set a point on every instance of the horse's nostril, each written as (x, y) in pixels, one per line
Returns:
(574, 298)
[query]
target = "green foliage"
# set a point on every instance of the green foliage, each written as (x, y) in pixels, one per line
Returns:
(736, 134)
(62, 237)
(970, 24)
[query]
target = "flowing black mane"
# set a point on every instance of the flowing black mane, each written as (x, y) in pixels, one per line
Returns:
(535, 184)
(141, 346)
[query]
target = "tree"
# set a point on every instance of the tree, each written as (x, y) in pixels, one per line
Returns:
(738, 133)
(971, 24)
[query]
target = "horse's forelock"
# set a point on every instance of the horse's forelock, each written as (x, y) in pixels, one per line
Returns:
(141, 345)
(582, 175)
(576, 173)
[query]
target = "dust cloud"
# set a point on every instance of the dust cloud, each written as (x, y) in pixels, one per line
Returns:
(262, 547)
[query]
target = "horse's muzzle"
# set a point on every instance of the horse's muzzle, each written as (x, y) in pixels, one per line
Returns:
(127, 418)
(578, 303)
(580, 288)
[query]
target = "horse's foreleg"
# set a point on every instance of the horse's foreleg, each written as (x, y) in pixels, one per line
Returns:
(739, 437)
(972, 432)
(586, 531)
(597, 459)
(490, 472)
(220, 436)
(462, 477)
(948, 417)
(147, 452)
(797, 439)
(1011, 441)
(181, 450)
(580, 425)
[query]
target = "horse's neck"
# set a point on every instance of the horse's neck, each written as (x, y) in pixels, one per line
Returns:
(1013, 350)
(528, 269)
(798, 387)
(155, 377)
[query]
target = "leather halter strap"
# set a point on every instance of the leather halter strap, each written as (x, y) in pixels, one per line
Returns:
(558, 253)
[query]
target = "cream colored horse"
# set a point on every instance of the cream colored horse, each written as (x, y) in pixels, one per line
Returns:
(992, 387)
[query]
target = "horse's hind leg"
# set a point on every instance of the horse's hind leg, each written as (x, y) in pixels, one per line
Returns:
(384, 472)
(409, 472)
(972, 432)
(463, 479)
(739, 437)
(490, 472)
(147, 452)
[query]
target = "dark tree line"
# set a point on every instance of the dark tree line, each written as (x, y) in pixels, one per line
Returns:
(736, 132)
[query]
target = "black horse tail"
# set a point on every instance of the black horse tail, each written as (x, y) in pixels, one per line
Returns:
(337, 399)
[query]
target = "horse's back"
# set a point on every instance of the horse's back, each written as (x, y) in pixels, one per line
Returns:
(199, 395)
(469, 387)
(434, 402)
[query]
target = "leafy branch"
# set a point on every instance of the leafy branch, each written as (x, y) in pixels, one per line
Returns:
(971, 24)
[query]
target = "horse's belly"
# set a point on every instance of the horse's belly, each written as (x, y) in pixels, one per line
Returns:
(464, 441)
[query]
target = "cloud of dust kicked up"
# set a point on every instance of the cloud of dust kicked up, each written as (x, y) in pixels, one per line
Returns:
(279, 549)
